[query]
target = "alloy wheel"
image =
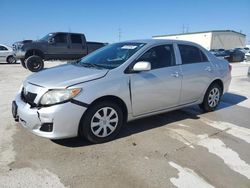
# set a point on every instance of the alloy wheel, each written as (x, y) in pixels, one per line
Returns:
(214, 97)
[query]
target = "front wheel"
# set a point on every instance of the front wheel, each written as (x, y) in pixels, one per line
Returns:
(102, 122)
(34, 63)
(212, 98)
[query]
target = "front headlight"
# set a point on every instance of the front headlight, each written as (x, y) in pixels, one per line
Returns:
(59, 95)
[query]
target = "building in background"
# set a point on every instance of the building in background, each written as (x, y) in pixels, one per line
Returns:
(216, 39)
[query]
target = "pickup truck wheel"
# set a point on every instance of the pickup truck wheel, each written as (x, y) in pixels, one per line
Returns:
(102, 122)
(23, 63)
(34, 63)
(11, 59)
(212, 98)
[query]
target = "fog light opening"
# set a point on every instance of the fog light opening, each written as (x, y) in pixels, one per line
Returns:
(47, 127)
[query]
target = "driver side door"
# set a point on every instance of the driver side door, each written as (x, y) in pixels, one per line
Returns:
(59, 48)
(160, 87)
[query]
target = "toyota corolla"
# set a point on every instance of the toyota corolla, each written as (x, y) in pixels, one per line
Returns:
(95, 96)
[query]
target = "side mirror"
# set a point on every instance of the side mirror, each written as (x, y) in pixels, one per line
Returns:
(51, 41)
(142, 66)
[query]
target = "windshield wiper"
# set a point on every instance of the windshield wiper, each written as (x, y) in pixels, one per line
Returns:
(92, 65)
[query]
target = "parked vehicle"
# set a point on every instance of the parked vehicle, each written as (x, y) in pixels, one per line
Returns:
(248, 73)
(225, 54)
(247, 56)
(54, 46)
(118, 83)
(247, 50)
(244, 50)
(6, 54)
(218, 52)
(213, 51)
(234, 55)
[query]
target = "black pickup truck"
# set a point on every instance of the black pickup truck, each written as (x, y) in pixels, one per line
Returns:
(53, 46)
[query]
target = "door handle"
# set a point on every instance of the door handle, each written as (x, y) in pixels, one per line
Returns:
(208, 68)
(175, 74)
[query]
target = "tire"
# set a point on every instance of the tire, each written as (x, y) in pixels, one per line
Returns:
(23, 63)
(34, 63)
(212, 98)
(11, 59)
(92, 127)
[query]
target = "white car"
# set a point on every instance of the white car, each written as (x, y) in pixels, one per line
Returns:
(6, 54)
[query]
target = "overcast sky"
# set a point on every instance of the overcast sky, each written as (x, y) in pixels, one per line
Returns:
(103, 20)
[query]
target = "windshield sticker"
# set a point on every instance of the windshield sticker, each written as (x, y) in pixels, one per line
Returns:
(129, 47)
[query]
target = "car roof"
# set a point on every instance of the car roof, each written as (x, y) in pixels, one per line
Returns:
(65, 33)
(5, 46)
(160, 41)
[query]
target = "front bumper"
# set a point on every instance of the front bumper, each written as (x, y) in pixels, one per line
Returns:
(19, 54)
(65, 118)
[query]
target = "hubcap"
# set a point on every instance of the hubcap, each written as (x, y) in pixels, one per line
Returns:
(214, 97)
(104, 122)
(36, 65)
(12, 60)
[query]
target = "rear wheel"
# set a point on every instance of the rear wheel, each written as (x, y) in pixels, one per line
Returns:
(11, 59)
(34, 63)
(212, 98)
(102, 122)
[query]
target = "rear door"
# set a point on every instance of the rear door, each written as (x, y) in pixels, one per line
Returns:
(197, 73)
(160, 87)
(78, 46)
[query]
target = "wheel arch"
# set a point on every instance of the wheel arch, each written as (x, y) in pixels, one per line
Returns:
(219, 82)
(110, 98)
(11, 55)
(34, 52)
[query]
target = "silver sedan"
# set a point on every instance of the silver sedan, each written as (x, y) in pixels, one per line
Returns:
(121, 82)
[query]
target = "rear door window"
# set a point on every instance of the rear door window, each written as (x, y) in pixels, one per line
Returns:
(191, 54)
(2, 48)
(76, 39)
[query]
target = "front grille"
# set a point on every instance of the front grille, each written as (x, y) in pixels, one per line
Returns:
(14, 47)
(28, 97)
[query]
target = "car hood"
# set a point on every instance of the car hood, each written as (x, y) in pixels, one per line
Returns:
(65, 75)
(23, 42)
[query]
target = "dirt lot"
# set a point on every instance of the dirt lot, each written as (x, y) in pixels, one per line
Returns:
(184, 148)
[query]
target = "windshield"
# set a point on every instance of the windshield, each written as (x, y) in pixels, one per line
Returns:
(111, 56)
(46, 37)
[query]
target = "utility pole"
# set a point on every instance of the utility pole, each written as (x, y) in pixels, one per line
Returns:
(187, 28)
